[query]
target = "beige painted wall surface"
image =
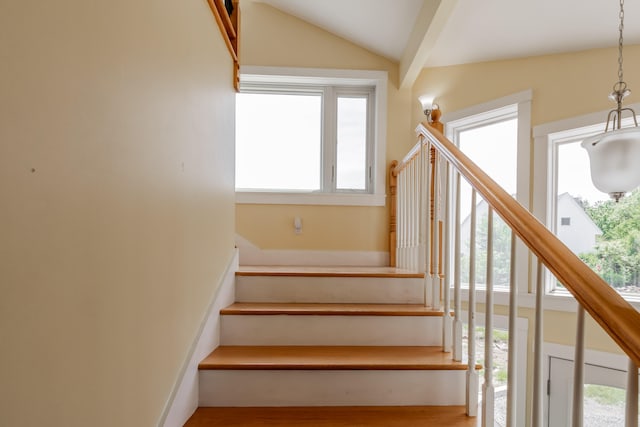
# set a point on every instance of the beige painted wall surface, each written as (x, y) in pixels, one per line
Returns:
(273, 38)
(563, 85)
(117, 219)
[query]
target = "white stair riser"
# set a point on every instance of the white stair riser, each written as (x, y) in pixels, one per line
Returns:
(375, 290)
(331, 388)
(331, 330)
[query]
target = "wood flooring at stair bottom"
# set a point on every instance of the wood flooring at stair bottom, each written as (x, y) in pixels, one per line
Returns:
(414, 416)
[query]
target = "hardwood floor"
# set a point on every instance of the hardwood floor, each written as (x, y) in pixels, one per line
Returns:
(379, 416)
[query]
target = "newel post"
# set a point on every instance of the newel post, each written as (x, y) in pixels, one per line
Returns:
(393, 187)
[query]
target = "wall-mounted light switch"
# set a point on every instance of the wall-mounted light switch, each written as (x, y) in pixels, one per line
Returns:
(297, 225)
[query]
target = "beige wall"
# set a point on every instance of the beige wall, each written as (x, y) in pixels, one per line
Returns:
(563, 85)
(272, 38)
(117, 218)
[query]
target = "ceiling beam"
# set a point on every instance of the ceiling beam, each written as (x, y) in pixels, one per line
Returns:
(432, 18)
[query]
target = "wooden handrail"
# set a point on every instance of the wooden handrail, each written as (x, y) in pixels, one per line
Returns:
(230, 30)
(612, 312)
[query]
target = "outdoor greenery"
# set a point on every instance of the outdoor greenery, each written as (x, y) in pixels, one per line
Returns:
(501, 252)
(605, 395)
(616, 257)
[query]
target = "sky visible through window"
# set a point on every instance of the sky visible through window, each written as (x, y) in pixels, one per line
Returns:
(352, 143)
(574, 173)
(494, 149)
(278, 141)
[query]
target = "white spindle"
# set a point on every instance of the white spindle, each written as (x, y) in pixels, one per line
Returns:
(457, 304)
(435, 283)
(424, 208)
(488, 391)
(578, 372)
(412, 219)
(631, 408)
(538, 393)
(422, 253)
(401, 221)
(428, 261)
(472, 374)
(512, 362)
(405, 216)
(416, 212)
(447, 323)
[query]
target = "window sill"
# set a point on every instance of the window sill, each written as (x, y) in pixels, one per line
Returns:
(557, 301)
(335, 199)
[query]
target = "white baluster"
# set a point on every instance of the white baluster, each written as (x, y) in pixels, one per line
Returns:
(428, 294)
(416, 213)
(513, 357)
(488, 391)
(435, 283)
(457, 303)
(424, 211)
(537, 412)
(411, 202)
(405, 217)
(447, 322)
(422, 251)
(400, 224)
(578, 372)
(631, 407)
(472, 374)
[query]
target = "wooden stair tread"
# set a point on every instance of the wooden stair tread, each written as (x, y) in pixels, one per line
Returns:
(331, 358)
(342, 416)
(302, 271)
(331, 309)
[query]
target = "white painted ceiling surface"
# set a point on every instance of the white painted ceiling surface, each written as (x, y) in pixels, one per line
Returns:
(476, 30)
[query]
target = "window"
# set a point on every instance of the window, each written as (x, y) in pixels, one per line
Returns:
(604, 234)
(495, 136)
(310, 140)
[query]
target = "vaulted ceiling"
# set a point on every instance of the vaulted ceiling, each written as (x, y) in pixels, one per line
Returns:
(431, 33)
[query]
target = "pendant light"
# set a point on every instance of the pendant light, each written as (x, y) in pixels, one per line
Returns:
(614, 154)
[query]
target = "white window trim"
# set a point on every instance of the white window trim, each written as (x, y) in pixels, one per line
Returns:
(494, 111)
(546, 136)
(378, 79)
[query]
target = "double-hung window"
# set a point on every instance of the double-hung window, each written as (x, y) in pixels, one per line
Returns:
(308, 140)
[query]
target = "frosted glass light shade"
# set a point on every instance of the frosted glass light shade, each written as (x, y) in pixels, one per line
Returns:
(615, 160)
(426, 101)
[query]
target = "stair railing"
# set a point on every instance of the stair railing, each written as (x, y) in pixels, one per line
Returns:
(419, 212)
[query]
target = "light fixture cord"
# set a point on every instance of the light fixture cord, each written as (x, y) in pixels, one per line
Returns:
(620, 40)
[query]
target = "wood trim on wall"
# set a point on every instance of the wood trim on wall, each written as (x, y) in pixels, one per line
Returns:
(230, 29)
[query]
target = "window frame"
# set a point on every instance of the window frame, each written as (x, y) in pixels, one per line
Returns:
(517, 106)
(547, 138)
(334, 83)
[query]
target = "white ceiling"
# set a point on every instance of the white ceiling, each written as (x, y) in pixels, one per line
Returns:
(472, 30)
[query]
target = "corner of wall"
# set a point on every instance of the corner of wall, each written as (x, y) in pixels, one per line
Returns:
(183, 400)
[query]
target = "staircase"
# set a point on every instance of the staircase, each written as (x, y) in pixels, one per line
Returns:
(322, 337)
